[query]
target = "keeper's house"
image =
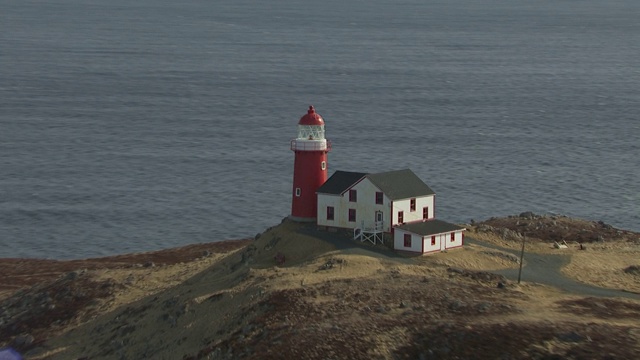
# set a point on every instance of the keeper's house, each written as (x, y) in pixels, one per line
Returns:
(395, 202)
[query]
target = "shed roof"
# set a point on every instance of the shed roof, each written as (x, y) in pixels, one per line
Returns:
(430, 227)
(340, 181)
(400, 184)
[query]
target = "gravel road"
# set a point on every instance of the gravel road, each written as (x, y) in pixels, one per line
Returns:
(545, 269)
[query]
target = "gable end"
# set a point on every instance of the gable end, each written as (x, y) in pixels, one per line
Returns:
(340, 182)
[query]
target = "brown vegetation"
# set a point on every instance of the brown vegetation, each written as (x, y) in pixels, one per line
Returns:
(558, 228)
(291, 294)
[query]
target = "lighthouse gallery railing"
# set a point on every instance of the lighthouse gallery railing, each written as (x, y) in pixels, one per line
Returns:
(310, 145)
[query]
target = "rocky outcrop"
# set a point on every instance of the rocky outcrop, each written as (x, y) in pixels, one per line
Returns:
(553, 228)
(30, 312)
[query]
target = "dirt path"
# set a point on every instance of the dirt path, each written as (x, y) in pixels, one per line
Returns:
(545, 269)
(539, 268)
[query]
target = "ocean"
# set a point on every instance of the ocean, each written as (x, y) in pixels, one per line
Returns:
(135, 126)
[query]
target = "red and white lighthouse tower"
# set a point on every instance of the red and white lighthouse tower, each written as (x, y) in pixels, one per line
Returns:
(310, 167)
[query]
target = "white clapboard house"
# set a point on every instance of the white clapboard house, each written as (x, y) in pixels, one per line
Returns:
(396, 203)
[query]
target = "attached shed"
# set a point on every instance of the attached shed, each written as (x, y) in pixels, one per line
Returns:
(428, 236)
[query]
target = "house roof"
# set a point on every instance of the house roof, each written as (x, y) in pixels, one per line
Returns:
(430, 227)
(400, 184)
(340, 181)
(397, 185)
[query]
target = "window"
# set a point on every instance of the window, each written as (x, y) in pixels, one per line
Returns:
(400, 217)
(407, 240)
(297, 191)
(330, 212)
(379, 197)
(353, 195)
(453, 237)
(425, 212)
(413, 205)
(352, 215)
(323, 165)
(433, 240)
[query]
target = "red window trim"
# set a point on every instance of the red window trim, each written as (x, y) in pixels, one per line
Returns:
(400, 217)
(425, 213)
(353, 195)
(407, 239)
(379, 197)
(352, 215)
(330, 213)
(412, 204)
(433, 240)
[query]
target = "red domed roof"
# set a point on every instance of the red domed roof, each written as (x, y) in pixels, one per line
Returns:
(312, 118)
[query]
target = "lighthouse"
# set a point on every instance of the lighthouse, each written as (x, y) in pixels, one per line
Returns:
(310, 165)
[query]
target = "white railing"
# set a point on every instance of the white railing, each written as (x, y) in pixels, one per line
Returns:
(374, 235)
(310, 145)
(377, 226)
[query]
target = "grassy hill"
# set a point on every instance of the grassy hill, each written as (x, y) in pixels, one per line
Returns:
(297, 293)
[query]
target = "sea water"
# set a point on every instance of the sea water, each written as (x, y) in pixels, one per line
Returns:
(134, 126)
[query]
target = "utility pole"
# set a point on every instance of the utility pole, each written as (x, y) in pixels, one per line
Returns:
(524, 239)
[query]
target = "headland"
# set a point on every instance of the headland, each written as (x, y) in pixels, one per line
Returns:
(295, 292)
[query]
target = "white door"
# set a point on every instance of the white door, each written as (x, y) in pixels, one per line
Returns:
(379, 218)
(443, 242)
